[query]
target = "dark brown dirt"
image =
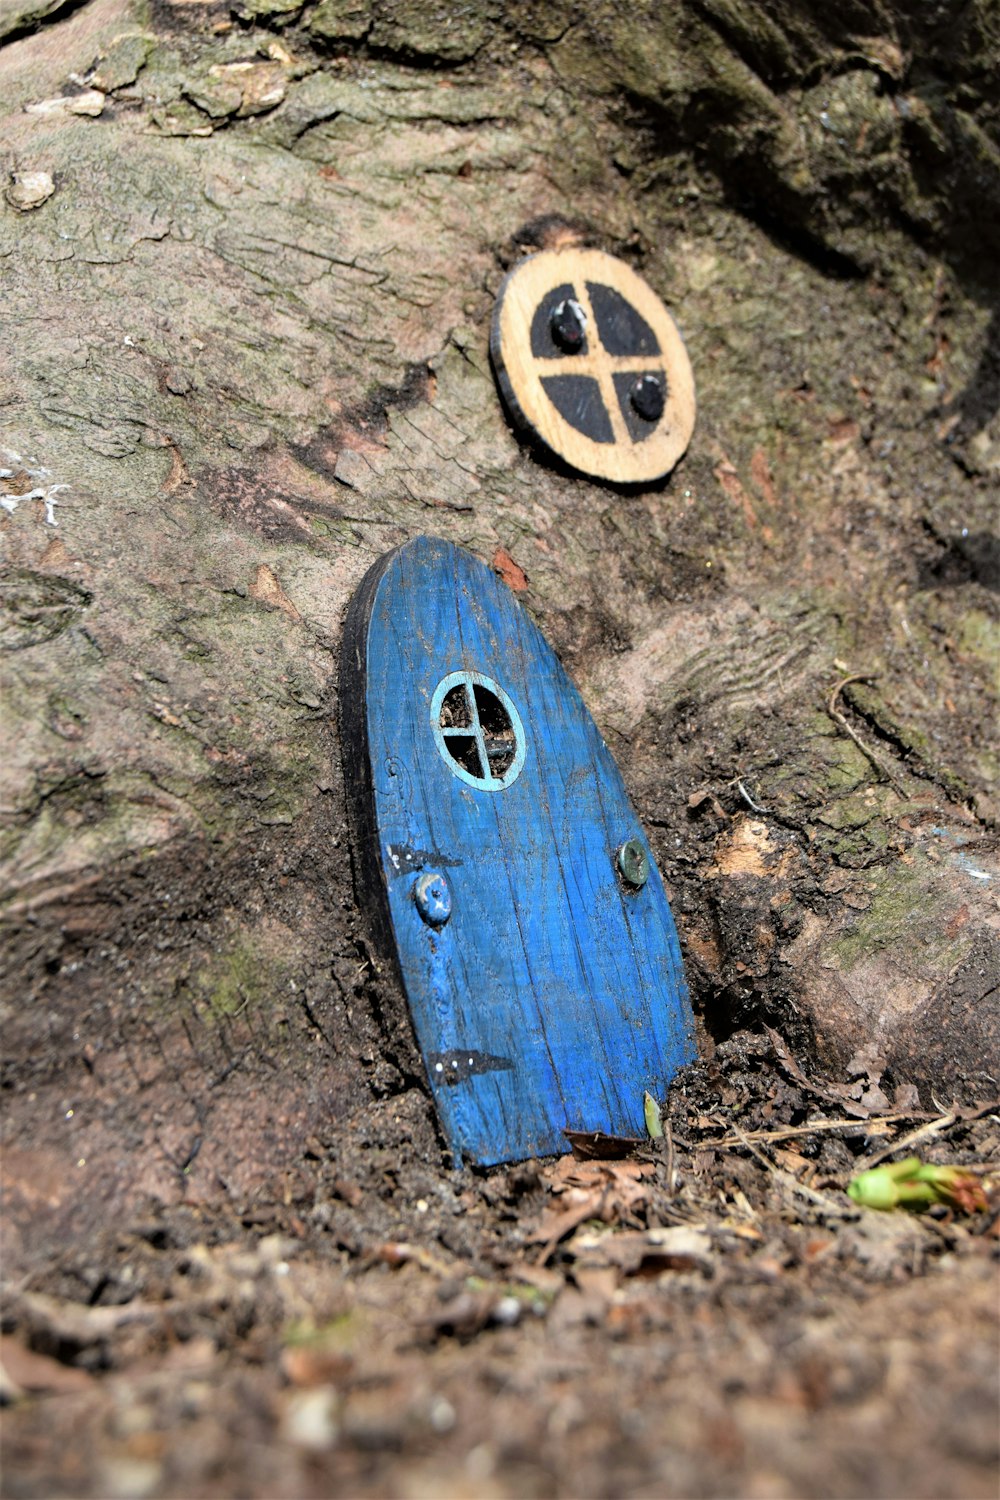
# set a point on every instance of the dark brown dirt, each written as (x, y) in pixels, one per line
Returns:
(710, 1316)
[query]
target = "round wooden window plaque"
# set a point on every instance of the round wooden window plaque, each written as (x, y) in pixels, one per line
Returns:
(590, 363)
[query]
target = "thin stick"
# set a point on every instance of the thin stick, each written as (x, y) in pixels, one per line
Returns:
(788, 1132)
(943, 1122)
(668, 1135)
(822, 1200)
(839, 718)
(934, 1128)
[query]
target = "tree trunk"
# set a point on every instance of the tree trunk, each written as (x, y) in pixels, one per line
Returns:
(246, 352)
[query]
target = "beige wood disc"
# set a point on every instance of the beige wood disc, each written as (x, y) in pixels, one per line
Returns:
(573, 383)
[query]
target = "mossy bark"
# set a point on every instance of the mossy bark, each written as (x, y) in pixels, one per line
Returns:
(246, 352)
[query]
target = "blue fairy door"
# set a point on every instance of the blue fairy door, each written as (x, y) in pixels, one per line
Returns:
(503, 865)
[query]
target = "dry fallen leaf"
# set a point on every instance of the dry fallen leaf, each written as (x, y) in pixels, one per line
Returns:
(604, 1190)
(594, 1145)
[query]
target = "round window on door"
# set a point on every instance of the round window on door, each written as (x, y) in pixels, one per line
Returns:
(478, 731)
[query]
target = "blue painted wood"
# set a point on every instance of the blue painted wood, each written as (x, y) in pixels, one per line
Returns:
(545, 992)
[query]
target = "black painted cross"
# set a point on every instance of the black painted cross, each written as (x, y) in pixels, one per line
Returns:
(590, 362)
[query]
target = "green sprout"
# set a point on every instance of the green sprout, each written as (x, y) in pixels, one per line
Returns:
(651, 1113)
(914, 1184)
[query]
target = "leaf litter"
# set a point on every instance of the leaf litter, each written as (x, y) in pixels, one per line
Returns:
(389, 1324)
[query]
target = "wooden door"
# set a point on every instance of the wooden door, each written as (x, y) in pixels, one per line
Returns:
(546, 988)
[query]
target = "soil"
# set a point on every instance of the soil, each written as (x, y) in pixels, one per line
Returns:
(705, 1314)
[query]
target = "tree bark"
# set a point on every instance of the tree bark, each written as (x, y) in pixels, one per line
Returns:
(246, 352)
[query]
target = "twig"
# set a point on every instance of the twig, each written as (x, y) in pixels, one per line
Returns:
(943, 1122)
(934, 1128)
(822, 1200)
(870, 1126)
(668, 1136)
(839, 718)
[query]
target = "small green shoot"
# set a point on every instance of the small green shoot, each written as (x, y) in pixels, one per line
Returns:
(651, 1111)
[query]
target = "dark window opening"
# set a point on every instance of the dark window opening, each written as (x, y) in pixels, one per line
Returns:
(464, 750)
(455, 711)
